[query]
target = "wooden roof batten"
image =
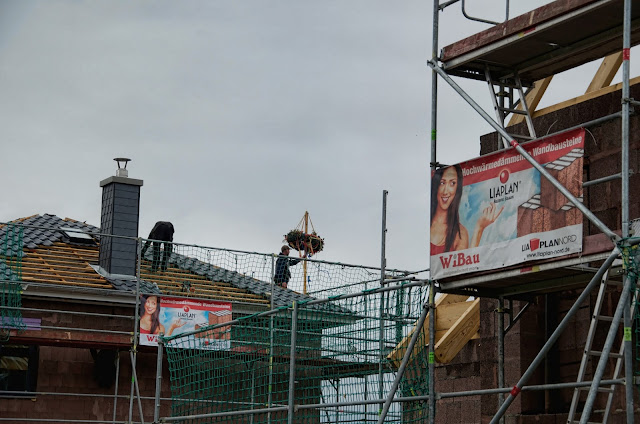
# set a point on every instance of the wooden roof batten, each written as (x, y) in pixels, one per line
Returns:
(550, 39)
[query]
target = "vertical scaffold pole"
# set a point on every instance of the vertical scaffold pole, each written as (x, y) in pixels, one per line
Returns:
(115, 396)
(271, 329)
(626, 58)
(156, 409)
(434, 85)
(383, 263)
(432, 352)
(434, 163)
(134, 350)
(595, 280)
(292, 362)
(500, 330)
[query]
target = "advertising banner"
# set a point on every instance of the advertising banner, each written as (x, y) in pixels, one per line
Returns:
(497, 210)
(173, 316)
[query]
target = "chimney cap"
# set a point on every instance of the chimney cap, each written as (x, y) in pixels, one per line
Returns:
(125, 160)
(122, 174)
(122, 170)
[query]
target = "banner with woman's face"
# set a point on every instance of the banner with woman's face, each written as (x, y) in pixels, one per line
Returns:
(497, 210)
(176, 316)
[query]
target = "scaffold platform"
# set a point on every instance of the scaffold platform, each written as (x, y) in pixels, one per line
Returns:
(543, 42)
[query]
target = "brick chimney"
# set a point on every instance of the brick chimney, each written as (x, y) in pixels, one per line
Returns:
(120, 217)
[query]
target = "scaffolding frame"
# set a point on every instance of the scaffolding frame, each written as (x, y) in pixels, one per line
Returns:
(441, 70)
(387, 283)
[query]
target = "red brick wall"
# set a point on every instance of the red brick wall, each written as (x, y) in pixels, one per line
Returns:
(70, 370)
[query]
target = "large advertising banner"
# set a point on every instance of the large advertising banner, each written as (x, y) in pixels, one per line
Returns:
(173, 316)
(497, 210)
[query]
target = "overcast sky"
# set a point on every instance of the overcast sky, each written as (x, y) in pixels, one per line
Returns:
(239, 116)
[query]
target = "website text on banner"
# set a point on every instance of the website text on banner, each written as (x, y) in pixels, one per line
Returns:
(497, 210)
(173, 316)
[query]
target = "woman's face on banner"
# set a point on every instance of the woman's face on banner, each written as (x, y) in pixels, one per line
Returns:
(151, 304)
(447, 188)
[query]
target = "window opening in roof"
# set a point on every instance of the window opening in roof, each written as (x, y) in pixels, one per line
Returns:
(77, 235)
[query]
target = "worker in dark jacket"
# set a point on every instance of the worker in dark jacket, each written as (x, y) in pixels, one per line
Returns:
(161, 232)
(282, 274)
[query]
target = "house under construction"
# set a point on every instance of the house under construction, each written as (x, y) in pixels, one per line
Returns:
(546, 340)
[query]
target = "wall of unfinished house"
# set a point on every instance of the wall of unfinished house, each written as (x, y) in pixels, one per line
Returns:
(475, 367)
(65, 365)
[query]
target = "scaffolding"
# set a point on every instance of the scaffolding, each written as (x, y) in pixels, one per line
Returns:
(322, 353)
(516, 59)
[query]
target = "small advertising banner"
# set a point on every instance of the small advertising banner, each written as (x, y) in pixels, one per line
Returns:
(173, 316)
(497, 210)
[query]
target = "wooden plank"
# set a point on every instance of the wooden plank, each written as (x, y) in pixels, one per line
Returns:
(37, 279)
(47, 256)
(398, 352)
(533, 98)
(584, 98)
(605, 73)
(55, 275)
(59, 272)
(459, 334)
(30, 260)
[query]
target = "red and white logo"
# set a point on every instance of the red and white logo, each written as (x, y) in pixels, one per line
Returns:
(504, 176)
(534, 243)
(186, 309)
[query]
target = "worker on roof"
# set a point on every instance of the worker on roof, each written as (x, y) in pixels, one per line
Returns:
(162, 233)
(282, 273)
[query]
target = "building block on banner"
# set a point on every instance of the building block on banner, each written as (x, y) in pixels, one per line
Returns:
(568, 171)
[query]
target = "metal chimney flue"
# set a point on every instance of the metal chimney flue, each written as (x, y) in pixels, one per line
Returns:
(122, 170)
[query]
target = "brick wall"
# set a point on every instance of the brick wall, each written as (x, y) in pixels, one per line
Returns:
(71, 370)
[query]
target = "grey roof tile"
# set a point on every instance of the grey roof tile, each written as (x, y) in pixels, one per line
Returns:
(6, 274)
(130, 285)
(33, 237)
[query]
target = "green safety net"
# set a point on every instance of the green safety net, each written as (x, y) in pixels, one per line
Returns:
(11, 251)
(630, 257)
(346, 350)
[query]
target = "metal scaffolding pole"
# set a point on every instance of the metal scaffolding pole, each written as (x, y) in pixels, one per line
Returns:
(434, 85)
(432, 352)
(135, 381)
(134, 349)
(585, 211)
(500, 330)
(156, 409)
(271, 329)
(626, 48)
(115, 393)
(383, 263)
(403, 365)
(292, 363)
(554, 337)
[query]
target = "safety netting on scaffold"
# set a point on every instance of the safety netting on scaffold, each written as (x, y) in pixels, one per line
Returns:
(11, 252)
(342, 333)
